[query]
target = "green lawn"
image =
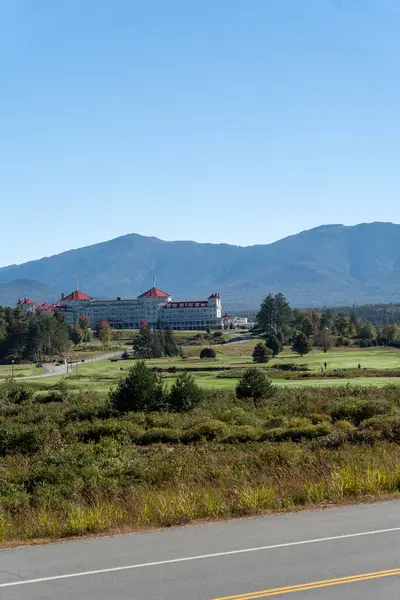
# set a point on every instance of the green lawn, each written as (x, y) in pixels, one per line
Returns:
(19, 371)
(341, 358)
(104, 374)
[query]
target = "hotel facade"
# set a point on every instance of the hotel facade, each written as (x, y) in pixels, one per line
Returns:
(154, 307)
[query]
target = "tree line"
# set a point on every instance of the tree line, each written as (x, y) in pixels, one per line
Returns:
(34, 337)
(302, 329)
(377, 314)
(29, 337)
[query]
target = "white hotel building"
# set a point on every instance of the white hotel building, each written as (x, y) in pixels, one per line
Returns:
(154, 307)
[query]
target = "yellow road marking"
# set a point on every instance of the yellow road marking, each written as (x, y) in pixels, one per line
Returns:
(312, 585)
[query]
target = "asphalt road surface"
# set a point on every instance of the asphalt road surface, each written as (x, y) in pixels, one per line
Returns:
(348, 553)
(54, 370)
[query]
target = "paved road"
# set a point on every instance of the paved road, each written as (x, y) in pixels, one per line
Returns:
(53, 370)
(310, 552)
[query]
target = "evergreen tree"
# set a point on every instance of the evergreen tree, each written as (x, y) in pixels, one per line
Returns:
(341, 324)
(283, 313)
(274, 344)
(141, 391)
(185, 394)
(3, 325)
(261, 354)
(254, 385)
(307, 326)
(170, 345)
(60, 337)
(75, 335)
(156, 344)
(266, 316)
(326, 322)
(142, 343)
(301, 344)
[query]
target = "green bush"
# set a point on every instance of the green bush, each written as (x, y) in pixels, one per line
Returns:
(208, 430)
(159, 435)
(185, 394)
(296, 434)
(86, 413)
(59, 393)
(141, 390)
(238, 416)
(242, 433)
(93, 431)
(19, 438)
(388, 426)
(278, 421)
(15, 392)
(261, 354)
(163, 419)
(208, 353)
(254, 385)
(359, 410)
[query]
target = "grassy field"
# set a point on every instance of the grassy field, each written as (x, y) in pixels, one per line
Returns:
(73, 465)
(19, 371)
(231, 358)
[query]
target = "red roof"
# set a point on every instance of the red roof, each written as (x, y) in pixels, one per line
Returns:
(45, 305)
(26, 301)
(154, 293)
(77, 296)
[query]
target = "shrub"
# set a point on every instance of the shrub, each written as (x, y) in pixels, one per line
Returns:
(25, 439)
(242, 433)
(207, 353)
(93, 431)
(86, 413)
(320, 418)
(15, 392)
(238, 416)
(296, 434)
(185, 394)
(159, 435)
(278, 421)
(261, 354)
(141, 390)
(359, 410)
(208, 430)
(254, 385)
(160, 419)
(387, 426)
(59, 393)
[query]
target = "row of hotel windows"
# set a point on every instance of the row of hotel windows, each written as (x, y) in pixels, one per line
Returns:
(185, 304)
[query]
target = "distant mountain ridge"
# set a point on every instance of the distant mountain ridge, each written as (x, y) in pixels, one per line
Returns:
(329, 265)
(24, 288)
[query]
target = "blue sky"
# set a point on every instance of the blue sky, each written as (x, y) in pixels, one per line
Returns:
(237, 121)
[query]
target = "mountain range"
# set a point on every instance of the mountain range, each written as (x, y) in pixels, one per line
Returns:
(329, 265)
